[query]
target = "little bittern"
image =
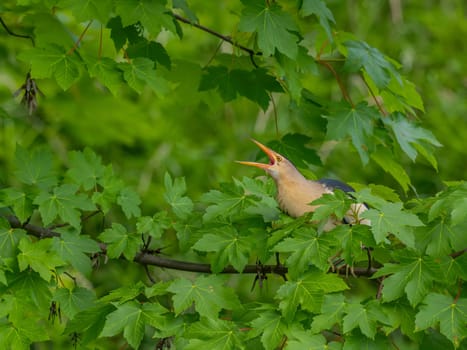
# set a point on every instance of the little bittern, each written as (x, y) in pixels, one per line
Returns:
(295, 192)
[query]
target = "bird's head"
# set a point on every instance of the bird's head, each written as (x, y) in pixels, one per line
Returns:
(278, 166)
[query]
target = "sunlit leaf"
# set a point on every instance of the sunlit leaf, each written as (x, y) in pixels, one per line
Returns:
(207, 293)
(273, 26)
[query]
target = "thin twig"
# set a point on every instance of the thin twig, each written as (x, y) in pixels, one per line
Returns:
(24, 36)
(458, 253)
(459, 291)
(84, 218)
(75, 46)
(99, 52)
(338, 79)
(226, 38)
(274, 109)
(380, 107)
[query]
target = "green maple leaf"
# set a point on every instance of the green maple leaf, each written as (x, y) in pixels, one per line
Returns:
(54, 61)
(120, 242)
(337, 204)
(414, 276)
(401, 316)
(293, 147)
(19, 202)
(121, 35)
(386, 160)
(351, 238)
(112, 187)
(9, 238)
(307, 291)
(73, 249)
(129, 200)
(409, 136)
(362, 56)
(271, 326)
(452, 203)
(300, 340)
(439, 238)
(306, 248)
(23, 321)
(182, 5)
(149, 49)
(319, 8)
(132, 317)
(155, 225)
(140, 73)
(107, 71)
(89, 323)
(123, 294)
(182, 206)
(273, 27)
(259, 200)
(207, 293)
(85, 168)
(39, 256)
(450, 314)
(366, 317)
(89, 9)
(229, 247)
(256, 85)
(357, 342)
(73, 301)
(185, 234)
(223, 204)
(332, 310)
(354, 122)
(214, 334)
(390, 218)
(31, 290)
(294, 71)
(65, 203)
(35, 168)
(153, 15)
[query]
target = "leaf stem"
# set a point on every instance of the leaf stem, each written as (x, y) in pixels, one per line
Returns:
(75, 46)
(345, 94)
(380, 107)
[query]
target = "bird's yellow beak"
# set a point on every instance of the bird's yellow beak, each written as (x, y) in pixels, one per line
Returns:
(269, 152)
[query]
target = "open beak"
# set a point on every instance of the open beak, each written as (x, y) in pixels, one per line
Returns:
(269, 152)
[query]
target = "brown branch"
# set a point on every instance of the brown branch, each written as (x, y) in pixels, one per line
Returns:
(226, 38)
(15, 34)
(146, 259)
(75, 46)
(338, 79)
(458, 253)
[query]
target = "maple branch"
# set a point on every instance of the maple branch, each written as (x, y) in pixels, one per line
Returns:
(226, 38)
(147, 258)
(24, 36)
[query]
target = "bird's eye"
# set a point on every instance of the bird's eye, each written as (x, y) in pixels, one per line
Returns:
(279, 158)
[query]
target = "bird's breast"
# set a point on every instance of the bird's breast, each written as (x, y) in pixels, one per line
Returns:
(294, 198)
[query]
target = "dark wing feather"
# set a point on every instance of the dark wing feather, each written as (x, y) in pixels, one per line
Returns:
(333, 184)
